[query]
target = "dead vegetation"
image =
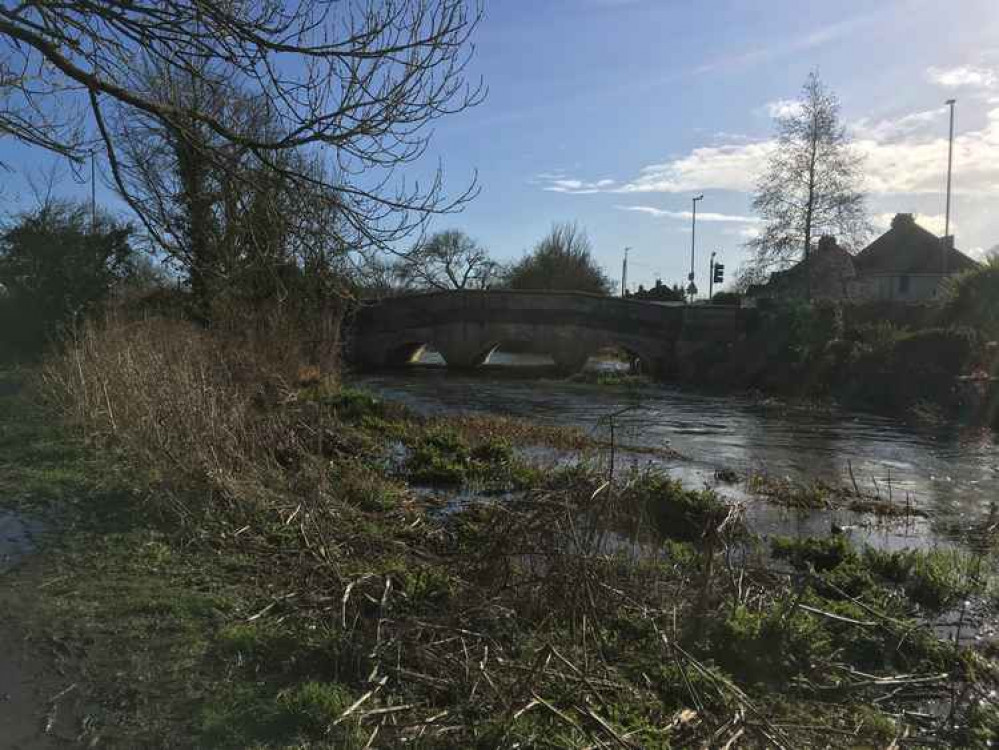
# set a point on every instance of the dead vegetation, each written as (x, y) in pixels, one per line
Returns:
(881, 502)
(587, 611)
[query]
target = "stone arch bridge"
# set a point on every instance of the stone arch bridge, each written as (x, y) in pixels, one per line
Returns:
(466, 326)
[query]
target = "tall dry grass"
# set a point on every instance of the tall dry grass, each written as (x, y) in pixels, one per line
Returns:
(179, 401)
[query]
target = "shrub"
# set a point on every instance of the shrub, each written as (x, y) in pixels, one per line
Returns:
(727, 298)
(674, 511)
(972, 299)
(945, 351)
(562, 260)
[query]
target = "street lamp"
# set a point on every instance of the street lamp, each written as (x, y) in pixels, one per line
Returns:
(692, 289)
(624, 274)
(950, 166)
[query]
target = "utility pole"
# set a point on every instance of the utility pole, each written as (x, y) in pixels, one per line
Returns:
(692, 288)
(711, 277)
(624, 273)
(950, 167)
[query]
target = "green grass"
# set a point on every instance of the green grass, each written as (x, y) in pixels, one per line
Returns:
(202, 636)
(152, 628)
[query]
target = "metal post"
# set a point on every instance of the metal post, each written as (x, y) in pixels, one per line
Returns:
(950, 167)
(624, 274)
(711, 277)
(693, 240)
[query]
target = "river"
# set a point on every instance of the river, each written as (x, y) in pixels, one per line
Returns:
(949, 471)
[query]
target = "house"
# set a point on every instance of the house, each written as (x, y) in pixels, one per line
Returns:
(905, 264)
(832, 274)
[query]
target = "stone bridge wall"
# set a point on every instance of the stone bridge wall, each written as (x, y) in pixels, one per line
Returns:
(570, 326)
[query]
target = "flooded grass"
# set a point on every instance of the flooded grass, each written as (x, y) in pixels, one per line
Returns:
(326, 604)
(818, 494)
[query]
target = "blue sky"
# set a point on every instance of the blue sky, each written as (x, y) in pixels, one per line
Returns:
(614, 113)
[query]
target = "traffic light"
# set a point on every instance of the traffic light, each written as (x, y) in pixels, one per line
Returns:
(719, 274)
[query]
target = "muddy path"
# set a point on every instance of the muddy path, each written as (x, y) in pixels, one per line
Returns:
(34, 702)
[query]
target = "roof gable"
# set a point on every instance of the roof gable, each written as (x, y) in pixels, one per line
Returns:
(909, 248)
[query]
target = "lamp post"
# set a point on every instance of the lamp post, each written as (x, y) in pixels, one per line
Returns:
(950, 167)
(624, 274)
(692, 289)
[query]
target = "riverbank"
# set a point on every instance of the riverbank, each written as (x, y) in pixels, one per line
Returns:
(328, 602)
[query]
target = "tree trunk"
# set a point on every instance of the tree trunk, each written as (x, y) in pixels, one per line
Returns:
(809, 210)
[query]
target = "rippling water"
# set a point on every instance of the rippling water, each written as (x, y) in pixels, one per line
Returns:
(950, 471)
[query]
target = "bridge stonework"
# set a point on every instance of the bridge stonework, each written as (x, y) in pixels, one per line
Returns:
(466, 326)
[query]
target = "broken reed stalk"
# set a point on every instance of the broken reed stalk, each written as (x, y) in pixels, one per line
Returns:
(856, 489)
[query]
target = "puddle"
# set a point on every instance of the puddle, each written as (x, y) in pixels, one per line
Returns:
(16, 539)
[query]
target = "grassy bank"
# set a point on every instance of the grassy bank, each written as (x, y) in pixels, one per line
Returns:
(236, 561)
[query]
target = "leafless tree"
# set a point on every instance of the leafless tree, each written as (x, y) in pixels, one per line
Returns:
(563, 259)
(215, 209)
(448, 260)
(811, 184)
(354, 84)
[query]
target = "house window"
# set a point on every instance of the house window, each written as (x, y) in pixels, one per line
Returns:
(903, 284)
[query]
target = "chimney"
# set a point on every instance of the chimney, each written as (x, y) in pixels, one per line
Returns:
(826, 242)
(901, 220)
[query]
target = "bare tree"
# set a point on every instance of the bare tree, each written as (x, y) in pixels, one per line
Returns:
(215, 209)
(355, 84)
(562, 260)
(811, 185)
(448, 260)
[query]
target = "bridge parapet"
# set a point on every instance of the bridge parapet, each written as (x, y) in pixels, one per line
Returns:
(466, 326)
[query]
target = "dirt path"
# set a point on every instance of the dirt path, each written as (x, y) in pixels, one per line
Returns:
(29, 696)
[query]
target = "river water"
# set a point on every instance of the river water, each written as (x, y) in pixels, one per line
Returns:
(949, 471)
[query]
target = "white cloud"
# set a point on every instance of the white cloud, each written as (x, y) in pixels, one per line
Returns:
(725, 167)
(578, 187)
(963, 76)
(919, 165)
(749, 233)
(906, 155)
(783, 108)
(916, 125)
(932, 222)
(688, 215)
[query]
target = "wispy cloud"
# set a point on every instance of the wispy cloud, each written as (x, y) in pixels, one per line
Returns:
(688, 215)
(962, 76)
(773, 49)
(579, 187)
(725, 167)
(904, 155)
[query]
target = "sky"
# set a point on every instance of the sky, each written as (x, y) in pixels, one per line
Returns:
(615, 113)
